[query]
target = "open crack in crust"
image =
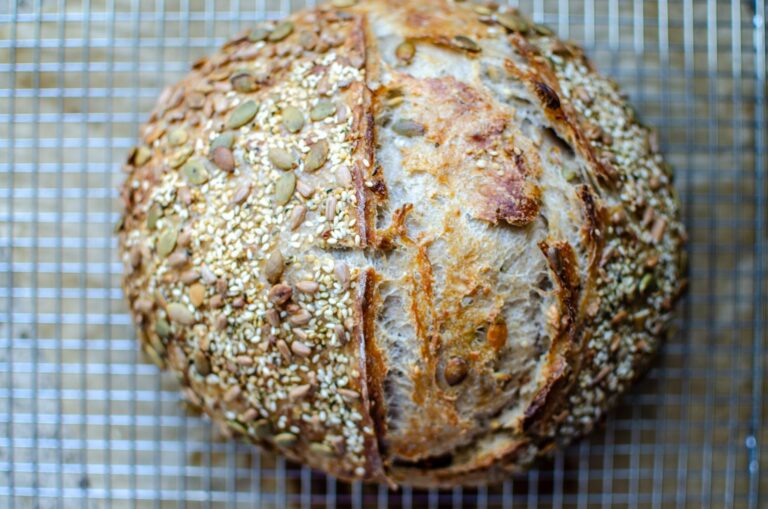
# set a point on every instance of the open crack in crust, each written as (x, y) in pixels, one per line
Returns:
(419, 243)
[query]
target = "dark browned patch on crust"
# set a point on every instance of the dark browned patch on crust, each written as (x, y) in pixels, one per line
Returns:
(594, 216)
(558, 369)
(386, 238)
(515, 201)
(561, 259)
(374, 369)
(565, 120)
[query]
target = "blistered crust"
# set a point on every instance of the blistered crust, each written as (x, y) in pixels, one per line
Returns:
(278, 264)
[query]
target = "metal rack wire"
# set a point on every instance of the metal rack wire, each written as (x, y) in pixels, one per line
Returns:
(85, 422)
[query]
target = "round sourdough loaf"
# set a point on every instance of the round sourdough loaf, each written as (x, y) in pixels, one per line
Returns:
(412, 242)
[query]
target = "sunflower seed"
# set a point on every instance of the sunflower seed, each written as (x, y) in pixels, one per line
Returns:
(163, 328)
(297, 216)
(273, 317)
(143, 305)
(299, 391)
(216, 301)
(293, 119)
(542, 30)
(221, 324)
(285, 440)
(309, 287)
(300, 349)
(280, 293)
(280, 32)
(258, 34)
(343, 3)
(302, 317)
(200, 360)
(405, 51)
(231, 394)
(166, 241)
(456, 370)
(196, 294)
(465, 43)
(317, 156)
(274, 266)
(284, 188)
(195, 172)
(223, 159)
(324, 450)
(341, 270)
(304, 189)
(241, 194)
(330, 208)
(180, 314)
(178, 137)
(322, 110)
(408, 128)
(242, 114)
(281, 158)
(512, 21)
(155, 357)
(154, 214)
(348, 394)
(177, 259)
(226, 139)
(180, 156)
(189, 276)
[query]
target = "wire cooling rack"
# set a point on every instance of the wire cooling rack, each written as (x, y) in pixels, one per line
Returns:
(86, 422)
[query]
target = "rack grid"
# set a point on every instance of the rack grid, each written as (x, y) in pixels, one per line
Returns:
(86, 422)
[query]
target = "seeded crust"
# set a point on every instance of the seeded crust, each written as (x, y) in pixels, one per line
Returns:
(415, 243)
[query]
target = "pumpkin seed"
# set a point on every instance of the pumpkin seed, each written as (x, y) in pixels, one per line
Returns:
(343, 3)
(238, 427)
(223, 140)
(281, 158)
(284, 188)
(243, 81)
(201, 363)
(166, 241)
(154, 214)
(280, 32)
(274, 267)
(180, 156)
(483, 10)
(258, 34)
(317, 156)
(324, 450)
(163, 328)
(542, 30)
(285, 440)
(646, 283)
(293, 119)
(140, 156)
(223, 159)
(178, 137)
(243, 114)
(409, 128)
(456, 370)
(180, 314)
(155, 357)
(512, 21)
(405, 51)
(195, 173)
(262, 428)
(322, 109)
(465, 43)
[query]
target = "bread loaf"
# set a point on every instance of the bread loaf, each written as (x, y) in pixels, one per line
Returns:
(410, 242)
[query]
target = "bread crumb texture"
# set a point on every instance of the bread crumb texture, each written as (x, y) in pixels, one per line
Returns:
(409, 242)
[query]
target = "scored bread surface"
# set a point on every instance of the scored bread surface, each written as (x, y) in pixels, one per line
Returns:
(411, 242)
